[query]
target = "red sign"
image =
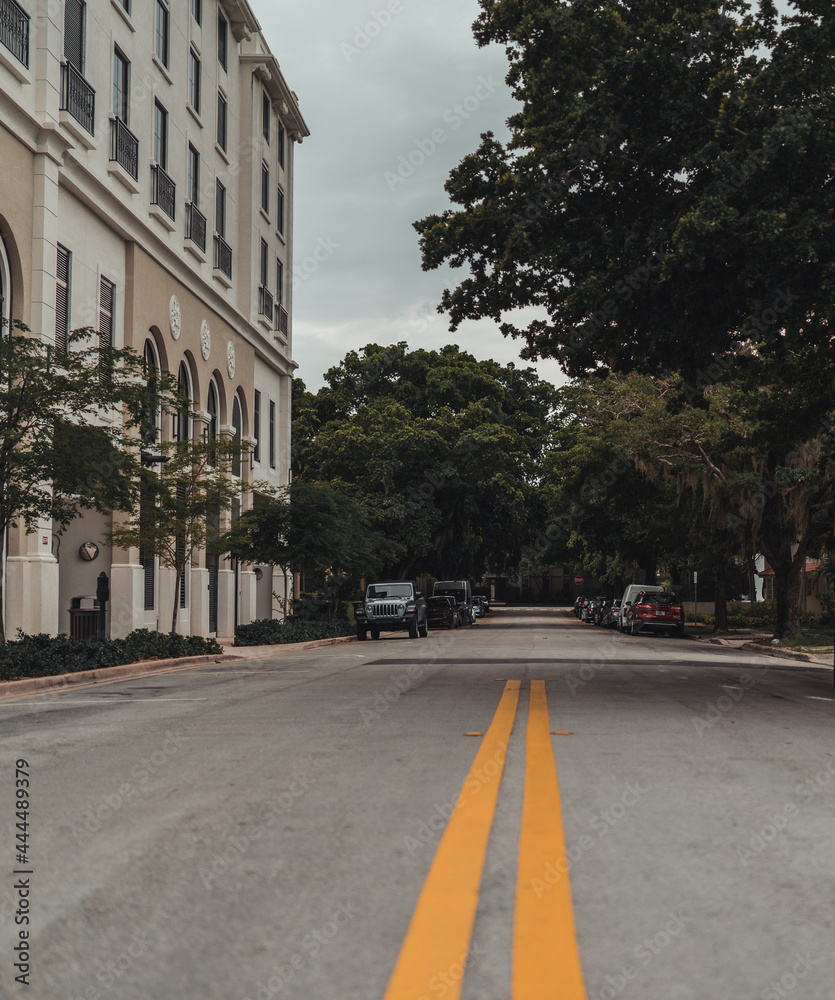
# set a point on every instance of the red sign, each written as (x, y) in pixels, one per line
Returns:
(578, 580)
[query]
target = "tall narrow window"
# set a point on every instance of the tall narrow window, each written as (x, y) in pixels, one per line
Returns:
(162, 33)
(121, 86)
(149, 428)
(197, 10)
(160, 135)
(222, 39)
(222, 121)
(256, 426)
(62, 298)
(238, 425)
(265, 188)
(281, 141)
(220, 209)
(279, 281)
(75, 20)
(265, 256)
(107, 304)
(194, 80)
(212, 407)
(182, 426)
(193, 190)
(272, 434)
(279, 212)
(265, 116)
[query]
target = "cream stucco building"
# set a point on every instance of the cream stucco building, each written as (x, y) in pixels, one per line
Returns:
(147, 153)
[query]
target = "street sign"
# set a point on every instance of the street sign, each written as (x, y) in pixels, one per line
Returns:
(695, 577)
(578, 580)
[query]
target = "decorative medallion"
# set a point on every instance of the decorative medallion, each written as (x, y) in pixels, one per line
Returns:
(88, 551)
(230, 359)
(205, 340)
(174, 316)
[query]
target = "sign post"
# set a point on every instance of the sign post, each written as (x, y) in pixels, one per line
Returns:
(103, 596)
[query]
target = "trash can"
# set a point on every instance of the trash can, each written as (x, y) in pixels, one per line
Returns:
(84, 617)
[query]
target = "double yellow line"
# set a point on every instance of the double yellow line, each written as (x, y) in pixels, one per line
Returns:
(546, 961)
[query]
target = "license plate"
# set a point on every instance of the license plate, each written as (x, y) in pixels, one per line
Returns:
(660, 612)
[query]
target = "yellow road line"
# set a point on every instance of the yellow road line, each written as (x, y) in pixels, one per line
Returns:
(546, 960)
(438, 938)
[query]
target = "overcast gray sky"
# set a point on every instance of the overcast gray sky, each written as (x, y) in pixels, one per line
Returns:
(381, 84)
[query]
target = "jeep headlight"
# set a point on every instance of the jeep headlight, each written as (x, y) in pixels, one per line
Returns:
(410, 606)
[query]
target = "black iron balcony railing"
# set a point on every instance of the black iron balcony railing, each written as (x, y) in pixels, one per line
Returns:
(124, 147)
(281, 319)
(78, 97)
(265, 302)
(223, 256)
(195, 226)
(14, 30)
(163, 191)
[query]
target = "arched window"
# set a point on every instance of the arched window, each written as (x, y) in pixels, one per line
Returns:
(238, 424)
(5, 291)
(182, 424)
(151, 420)
(213, 409)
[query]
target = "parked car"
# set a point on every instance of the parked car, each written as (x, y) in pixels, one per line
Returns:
(392, 606)
(601, 611)
(655, 612)
(612, 614)
(441, 612)
(629, 596)
(480, 606)
(462, 593)
(485, 602)
(590, 608)
(578, 604)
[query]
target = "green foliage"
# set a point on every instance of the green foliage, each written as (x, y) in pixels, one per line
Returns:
(444, 451)
(269, 632)
(43, 655)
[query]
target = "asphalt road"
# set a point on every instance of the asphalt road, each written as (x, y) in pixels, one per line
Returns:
(274, 828)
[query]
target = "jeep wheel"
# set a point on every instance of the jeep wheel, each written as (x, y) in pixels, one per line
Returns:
(413, 629)
(423, 629)
(362, 634)
(375, 633)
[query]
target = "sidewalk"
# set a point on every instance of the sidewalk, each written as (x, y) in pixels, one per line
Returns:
(27, 686)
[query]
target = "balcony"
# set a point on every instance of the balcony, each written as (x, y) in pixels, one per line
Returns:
(78, 97)
(265, 303)
(281, 319)
(163, 191)
(223, 257)
(124, 147)
(14, 30)
(196, 226)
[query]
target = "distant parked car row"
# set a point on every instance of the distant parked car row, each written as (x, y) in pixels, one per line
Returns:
(399, 606)
(641, 609)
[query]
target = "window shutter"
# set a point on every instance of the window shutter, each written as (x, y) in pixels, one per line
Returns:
(107, 296)
(62, 299)
(74, 22)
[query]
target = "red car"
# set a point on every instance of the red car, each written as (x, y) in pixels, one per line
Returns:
(654, 613)
(441, 612)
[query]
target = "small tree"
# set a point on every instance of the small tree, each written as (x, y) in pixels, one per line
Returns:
(180, 505)
(57, 455)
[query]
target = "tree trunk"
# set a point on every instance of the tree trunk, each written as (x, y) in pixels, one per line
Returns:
(787, 578)
(720, 600)
(179, 570)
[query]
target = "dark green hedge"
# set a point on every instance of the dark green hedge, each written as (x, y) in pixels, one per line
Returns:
(268, 632)
(44, 655)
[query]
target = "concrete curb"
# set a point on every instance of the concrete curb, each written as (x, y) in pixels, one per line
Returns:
(824, 660)
(127, 671)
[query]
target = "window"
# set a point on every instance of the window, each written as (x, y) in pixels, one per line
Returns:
(160, 135)
(194, 80)
(279, 212)
(193, 189)
(125, 5)
(265, 253)
(182, 425)
(222, 120)
(162, 33)
(197, 10)
(272, 434)
(222, 39)
(238, 424)
(265, 188)
(256, 426)
(212, 407)
(62, 298)
(121, 86)
(265, 116)
(220, 209)
(281, 140)
(279, 281)
(75, 20)
(107, 303)
(149, 428)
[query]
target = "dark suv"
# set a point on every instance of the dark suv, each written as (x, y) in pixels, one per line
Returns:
(395, 606)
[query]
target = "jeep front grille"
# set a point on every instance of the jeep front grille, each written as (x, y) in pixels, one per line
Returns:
(384, 611)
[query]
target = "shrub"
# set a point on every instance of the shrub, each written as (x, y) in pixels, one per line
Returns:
(269, 632)
(43, 655)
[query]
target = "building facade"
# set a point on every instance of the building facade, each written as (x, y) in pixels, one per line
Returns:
(147, 155)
